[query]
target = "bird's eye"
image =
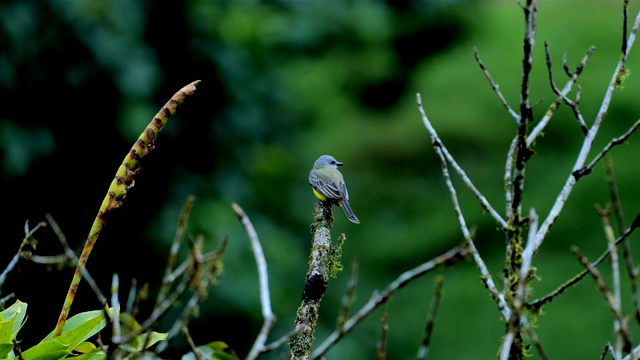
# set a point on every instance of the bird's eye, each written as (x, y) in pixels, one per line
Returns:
(333, 162)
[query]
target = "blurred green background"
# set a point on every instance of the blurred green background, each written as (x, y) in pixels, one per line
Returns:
(284, 82)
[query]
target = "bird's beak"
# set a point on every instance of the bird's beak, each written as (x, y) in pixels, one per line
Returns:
(338, 163)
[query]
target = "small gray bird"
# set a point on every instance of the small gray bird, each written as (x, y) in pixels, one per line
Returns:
(328, 185)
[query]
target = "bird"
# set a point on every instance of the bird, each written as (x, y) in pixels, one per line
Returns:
(328, 184)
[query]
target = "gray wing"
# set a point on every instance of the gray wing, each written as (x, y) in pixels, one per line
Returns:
(327, 188)
(345, 193)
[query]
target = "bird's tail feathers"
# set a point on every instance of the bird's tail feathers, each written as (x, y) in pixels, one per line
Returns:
(347, 210)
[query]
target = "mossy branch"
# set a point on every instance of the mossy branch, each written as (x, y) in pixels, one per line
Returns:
(116, 194)
(323, 263)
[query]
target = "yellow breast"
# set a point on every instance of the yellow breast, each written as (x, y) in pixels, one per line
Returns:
(318, 195)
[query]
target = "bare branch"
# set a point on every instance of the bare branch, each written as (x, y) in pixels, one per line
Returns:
(508, 178)
(281, 341)
(436, 140)
(28, 237)
(382, 344)
(625, 24)
(537, 130)
(426, 340)
(349, 295)
(614, 142)
(527, 257)
(611, 300)
(115, 307)
(533, 337)
(194, 348)
(574, 105)
(537, 304)
(379, 299)
(588, 141)
(495, 87)
(505, 349)
(626, 247)
(486, 276)
(175, 247)
(615, 272)
(263, 278)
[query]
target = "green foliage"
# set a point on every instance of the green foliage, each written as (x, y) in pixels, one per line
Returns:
(12, 320)
(77, 329)
(73, 340)
(211, 351)
(142, 341)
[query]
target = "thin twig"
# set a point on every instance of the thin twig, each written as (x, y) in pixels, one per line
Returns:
(382, 344)
(538, 303)
(484, 271)
(537, 130)
(16, 348)
(115, 307)
(175, 247)
(527, 257)
(508, 178)
(625, 24)
(614, 142)
(574, 105)
(263, 278)
(533, 337)
(349, 295)
(193, 346)
(626, 246)
(495, 87)
(436, 140)
(608, 348)
(50, 260)
(379, 299)
(6, 298)
(505, 349)
(212, 260)
(562, 197)
(615, 198)
(187, 280)
(611, 300)
(615, 274)
(28, 237)
(423, 351)
(279, 342)
(131, 298)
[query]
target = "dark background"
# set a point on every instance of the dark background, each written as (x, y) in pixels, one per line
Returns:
(284, 82)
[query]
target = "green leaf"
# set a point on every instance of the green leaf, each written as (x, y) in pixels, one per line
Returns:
(96, 354)
(48, 350)
(147, 356)
(5, 350)
(144, 341)
(81, 327)
(128, 323)
(85, 347)
(11, 320)
(211, 351)
(76, 330)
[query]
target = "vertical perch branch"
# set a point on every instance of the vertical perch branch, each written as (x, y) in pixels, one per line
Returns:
(321, 265)
(121, 183)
